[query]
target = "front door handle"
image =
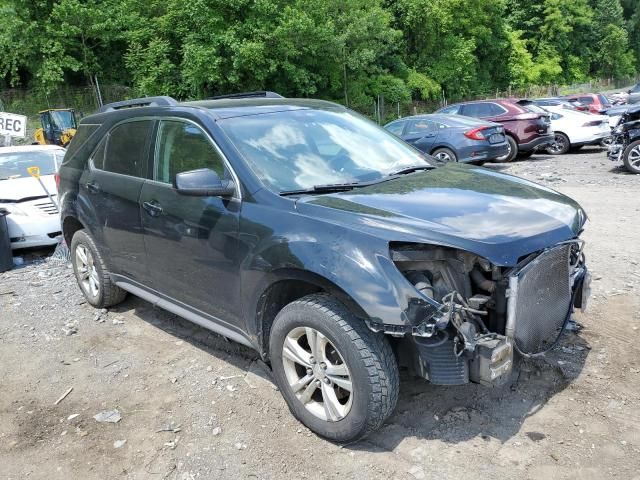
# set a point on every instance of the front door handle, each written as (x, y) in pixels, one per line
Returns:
(93, 187)
(152, 208)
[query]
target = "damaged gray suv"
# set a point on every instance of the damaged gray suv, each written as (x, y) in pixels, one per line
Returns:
(334, 249)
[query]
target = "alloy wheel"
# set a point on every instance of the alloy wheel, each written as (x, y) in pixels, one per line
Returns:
(443, 157)
(559, 145)
(506, 155)
(317, 374)
(87, 272)
(634, 157)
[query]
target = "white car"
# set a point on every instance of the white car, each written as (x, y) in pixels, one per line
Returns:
(575, 129)
(33, 218)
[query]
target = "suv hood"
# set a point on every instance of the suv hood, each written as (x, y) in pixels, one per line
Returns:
(499, 217)
(18, 189)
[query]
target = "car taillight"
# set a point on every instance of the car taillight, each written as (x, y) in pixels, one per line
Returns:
(595, 123)
(56, 177)
(476, 133)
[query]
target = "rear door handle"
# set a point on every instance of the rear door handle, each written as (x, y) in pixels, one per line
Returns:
(152, 208)
(93, 187)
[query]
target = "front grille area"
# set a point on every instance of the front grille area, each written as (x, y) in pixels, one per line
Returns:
(542, 299)
(47, 207)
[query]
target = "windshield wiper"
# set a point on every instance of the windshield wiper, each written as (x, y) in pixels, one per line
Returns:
(411, 169)
(336, 187)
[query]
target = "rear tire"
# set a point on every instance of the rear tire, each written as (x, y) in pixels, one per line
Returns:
(511, 154)
(560, 146)
(444, 155)
(357, 358)
(91, 273)
(631, 157)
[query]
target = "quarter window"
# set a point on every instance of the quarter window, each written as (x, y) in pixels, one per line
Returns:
(451, 110)
(126, 148)
(183, 147)
(396, 128)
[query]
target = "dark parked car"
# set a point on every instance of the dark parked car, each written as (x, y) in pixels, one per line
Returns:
(304, 231)
(526, 131)
(452, 138)
(595, 102)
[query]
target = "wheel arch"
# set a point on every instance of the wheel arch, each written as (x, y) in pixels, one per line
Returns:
(287, 286)
(70, 225)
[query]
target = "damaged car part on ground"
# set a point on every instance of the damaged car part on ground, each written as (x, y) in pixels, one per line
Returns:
(334, 249)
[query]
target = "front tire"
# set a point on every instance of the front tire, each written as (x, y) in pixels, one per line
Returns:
(631, 157)
(91, 273)
(444, 155)
(338, 378)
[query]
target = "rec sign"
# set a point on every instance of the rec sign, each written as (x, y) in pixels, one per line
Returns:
(12, 125)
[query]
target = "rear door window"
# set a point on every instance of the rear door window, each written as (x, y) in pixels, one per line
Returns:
(183, 147)
(478, 110)
(126, 149)
(416, 127)
(585, 100)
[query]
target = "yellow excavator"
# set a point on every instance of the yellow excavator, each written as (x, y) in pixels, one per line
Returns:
(58, 126)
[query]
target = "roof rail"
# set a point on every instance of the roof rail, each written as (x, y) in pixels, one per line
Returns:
(260, 93)
(138, 102)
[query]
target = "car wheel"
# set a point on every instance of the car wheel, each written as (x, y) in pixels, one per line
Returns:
(444, 155)
(338, 377)
(512, 151)
(560, 145)
(91, 273)
(631, 157)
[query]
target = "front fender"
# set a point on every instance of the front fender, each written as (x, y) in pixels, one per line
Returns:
(356, 263)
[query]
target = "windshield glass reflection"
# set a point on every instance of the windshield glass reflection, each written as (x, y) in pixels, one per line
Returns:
(304, 148)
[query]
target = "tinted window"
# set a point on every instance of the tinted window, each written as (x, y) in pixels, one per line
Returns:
(98, 156)
(603, 100)
(452, 110)
(478, 110)
(183, 147)
(82, 135)
(585, 100)
(395, 128)
(126, 148)
(416, 127)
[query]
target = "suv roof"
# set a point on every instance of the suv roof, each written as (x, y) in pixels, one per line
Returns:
(225, 106)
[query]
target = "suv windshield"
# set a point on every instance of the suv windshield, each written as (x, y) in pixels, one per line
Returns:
(302, 149)
(15, 164)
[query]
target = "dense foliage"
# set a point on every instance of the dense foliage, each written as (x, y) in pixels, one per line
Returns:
(350, 50)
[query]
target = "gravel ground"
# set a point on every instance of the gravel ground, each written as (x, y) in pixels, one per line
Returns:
(192, 405)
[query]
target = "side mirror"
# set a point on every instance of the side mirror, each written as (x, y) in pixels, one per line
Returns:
(203, 183)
